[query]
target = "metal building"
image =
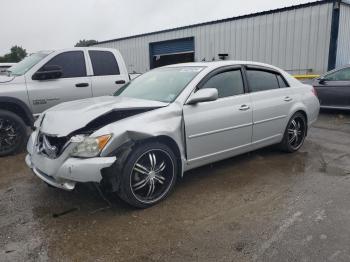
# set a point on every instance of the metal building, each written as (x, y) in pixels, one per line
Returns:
(307, 38)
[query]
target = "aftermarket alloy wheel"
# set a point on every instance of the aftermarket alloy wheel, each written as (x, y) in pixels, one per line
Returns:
(295, 133)
(149, 175)
(13, 133)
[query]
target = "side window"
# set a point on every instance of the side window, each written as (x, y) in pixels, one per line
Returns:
(261, 80)
(104, 63)
(227, 83)
(282, 83)
(340, 75)
(72, 64)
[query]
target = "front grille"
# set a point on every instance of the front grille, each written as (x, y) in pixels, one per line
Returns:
(51, 146)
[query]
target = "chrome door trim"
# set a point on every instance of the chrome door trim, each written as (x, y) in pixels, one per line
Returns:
(217, 153)
(270, 119)
(266, 138)
(336, 107)
(219, 130)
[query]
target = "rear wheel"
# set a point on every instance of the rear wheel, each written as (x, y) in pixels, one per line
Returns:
(295, 133)
(13, 133)
(149, 175)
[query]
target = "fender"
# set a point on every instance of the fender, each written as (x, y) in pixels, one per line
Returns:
(26, 113)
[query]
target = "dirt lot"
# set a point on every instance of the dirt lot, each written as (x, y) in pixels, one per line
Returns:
(262, 206)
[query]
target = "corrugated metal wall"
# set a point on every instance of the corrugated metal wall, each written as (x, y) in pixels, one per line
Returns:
(296, 40)
(343, 49)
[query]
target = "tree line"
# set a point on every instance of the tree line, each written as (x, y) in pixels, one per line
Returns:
(17, 53)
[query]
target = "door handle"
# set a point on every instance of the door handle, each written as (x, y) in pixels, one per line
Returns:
(82, 85)
(244, 107)
(287, 99)
(120, 82)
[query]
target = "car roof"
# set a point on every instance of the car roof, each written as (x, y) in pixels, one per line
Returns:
(216, 64)
(76, 49)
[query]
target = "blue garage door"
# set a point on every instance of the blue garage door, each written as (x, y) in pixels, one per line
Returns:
(173, 46)
(172, 51)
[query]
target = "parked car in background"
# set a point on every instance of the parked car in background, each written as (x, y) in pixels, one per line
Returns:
(4, 67)
(167, 121)
(47, 78)
(333, 88)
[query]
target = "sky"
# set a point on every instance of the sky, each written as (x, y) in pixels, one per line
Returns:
(52, 24)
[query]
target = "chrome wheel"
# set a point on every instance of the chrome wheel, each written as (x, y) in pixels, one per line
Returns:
(8, 134)
(152, 175)
(296, 132)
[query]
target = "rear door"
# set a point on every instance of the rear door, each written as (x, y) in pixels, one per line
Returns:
(220, 128)
(74, 83)
(334, 89)
(106, 77)
(272, 100)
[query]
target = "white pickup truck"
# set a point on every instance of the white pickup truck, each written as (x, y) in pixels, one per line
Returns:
(47, 78)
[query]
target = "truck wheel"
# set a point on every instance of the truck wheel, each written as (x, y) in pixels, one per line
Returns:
(149, 175)
(13, 133)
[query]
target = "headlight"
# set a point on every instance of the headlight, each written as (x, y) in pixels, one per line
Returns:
(89, 146)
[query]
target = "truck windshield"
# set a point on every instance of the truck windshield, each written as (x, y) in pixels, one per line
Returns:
(163, 84)
(26, 64)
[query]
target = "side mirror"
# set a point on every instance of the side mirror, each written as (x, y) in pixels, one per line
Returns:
(48, 72)
(321, 80)
(203, 95)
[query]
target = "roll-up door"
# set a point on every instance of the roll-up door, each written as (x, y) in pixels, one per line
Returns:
(171, 52)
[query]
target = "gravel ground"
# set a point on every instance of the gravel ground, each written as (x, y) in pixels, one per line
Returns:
(261, 206)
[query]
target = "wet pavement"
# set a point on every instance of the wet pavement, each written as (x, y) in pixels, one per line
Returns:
(261, 206)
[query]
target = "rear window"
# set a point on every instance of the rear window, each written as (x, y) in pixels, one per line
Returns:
(104, 63)
(260, 80)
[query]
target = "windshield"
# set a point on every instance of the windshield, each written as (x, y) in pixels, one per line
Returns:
(163, 84)
(26, 64)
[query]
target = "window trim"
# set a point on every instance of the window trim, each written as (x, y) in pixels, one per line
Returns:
(283, 79)
(335, 71)
(220, 70)
(92, 64)
(85, 64)
(267, 70)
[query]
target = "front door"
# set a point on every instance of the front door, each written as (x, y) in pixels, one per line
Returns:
(74, 83)
(334, 89)
(222, 128)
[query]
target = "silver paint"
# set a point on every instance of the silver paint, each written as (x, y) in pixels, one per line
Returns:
(204, 132)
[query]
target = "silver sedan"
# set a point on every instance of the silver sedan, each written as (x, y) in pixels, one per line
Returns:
(139, 141)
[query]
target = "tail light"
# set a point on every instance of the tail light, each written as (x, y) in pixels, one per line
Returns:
(313, 90)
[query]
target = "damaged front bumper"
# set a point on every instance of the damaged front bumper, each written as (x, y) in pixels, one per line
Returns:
(65, 171)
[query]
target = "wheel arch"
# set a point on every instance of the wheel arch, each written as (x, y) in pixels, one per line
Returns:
(17, 107)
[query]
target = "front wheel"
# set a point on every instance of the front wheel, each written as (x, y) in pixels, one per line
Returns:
(295, 133)
(149, 175)
(13, 133)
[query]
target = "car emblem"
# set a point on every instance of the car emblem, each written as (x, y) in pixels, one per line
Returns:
(46, 148)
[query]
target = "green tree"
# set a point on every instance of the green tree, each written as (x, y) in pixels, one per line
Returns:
(17, 54)
(84, 42)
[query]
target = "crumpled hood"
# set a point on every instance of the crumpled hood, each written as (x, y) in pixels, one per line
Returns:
(6, 78)
(65, 118)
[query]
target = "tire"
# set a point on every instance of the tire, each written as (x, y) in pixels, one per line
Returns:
(13, 133)
(295, 133)
(141, 185)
